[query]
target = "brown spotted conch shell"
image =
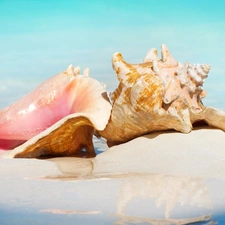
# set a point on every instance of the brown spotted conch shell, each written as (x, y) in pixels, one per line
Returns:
(156, 95)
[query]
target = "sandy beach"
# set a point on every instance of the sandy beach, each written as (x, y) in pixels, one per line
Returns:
(160, 178)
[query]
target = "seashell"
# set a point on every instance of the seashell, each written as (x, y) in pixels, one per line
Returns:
(58, 117)
(156, 95)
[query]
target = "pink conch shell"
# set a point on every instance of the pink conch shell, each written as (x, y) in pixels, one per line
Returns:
(158, 94)
(58, 117)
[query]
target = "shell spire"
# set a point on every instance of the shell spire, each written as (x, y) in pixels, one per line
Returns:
(167, 58)
(151, 55)
(86, 72)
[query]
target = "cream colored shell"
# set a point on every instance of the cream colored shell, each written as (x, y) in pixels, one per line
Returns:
(158, 94)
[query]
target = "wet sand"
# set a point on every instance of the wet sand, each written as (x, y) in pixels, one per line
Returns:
(161, 178)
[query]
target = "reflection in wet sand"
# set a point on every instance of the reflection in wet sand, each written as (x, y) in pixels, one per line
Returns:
(124, 220)
(165, 190)
(164, 195)
(73, 191)
(61, 211)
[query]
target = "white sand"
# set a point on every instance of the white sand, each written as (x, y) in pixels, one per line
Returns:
(161, 175)
(200, 153)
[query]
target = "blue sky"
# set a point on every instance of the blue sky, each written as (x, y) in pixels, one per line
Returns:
(40, 38)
